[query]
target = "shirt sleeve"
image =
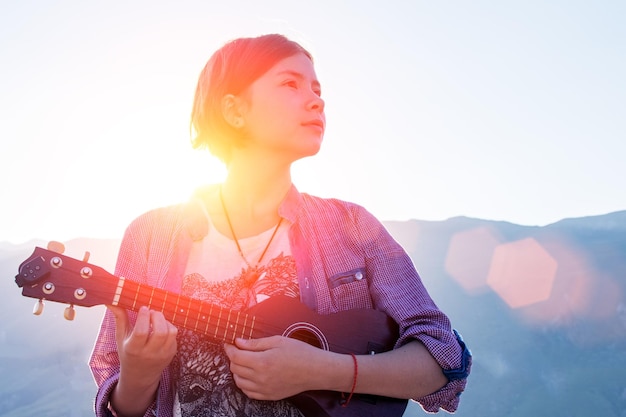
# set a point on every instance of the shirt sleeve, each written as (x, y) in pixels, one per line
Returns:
(104, 361)
(397, 289)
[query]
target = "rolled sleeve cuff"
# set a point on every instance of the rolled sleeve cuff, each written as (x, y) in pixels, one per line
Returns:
(103, 400)
(448, 397)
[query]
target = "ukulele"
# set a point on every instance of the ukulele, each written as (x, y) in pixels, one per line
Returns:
(49, 275)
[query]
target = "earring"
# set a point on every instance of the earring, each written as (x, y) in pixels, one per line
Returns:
(238, 122)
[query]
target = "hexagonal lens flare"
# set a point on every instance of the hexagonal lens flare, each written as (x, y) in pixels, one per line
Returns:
(522, 272)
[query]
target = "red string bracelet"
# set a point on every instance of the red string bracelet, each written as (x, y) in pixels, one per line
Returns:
(345, 401)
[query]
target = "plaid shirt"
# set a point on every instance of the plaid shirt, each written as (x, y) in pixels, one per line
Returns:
(345, 259)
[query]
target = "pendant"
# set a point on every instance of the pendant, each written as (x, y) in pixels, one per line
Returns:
(250, 276)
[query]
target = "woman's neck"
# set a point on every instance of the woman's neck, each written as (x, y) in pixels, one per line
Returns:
(251, 196)
(254, 197)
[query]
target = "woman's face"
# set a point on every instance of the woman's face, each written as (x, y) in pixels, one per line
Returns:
(283, 112)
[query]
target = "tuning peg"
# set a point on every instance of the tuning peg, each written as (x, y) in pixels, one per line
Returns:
(38, 309)
(69, 313)
(86, 256)
(55, 246)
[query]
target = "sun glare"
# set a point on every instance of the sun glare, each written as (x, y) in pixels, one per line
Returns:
(96, 184)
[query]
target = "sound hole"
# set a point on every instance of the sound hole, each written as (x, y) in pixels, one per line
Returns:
(308, 333)
(307, 337)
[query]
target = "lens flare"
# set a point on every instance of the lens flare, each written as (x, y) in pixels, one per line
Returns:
(469, 258)
(522, 272)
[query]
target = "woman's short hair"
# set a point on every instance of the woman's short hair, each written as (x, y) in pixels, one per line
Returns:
(230, 70)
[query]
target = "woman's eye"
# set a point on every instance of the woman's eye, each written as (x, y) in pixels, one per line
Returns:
(291, 84)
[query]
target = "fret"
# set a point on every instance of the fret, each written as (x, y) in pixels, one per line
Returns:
(245, 322)
(195, 311)
(217, 326)
(164, 304)
(227, 326)
(201, 316)
(187, 313)
(150, 299)
(236, 324)
(206, 326)
(176, 307)
(243, 327)
(137, 289)
(252, 327)
(124, 297)
(195, 327)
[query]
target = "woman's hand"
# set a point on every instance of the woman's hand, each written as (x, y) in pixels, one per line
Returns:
(145, 350)
(276, 367)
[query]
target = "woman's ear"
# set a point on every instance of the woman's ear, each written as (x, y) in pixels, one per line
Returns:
(231, 111)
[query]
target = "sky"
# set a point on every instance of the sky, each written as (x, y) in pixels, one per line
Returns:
(509, 111)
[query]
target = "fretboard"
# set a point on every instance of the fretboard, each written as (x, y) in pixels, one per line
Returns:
(221, 324)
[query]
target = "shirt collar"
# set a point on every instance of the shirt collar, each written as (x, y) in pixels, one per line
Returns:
(291, 204)
(197, 224)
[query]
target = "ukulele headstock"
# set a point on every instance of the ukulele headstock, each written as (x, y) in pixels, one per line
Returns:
(49, 275)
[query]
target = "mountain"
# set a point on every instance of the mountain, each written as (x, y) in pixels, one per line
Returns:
(543, 310)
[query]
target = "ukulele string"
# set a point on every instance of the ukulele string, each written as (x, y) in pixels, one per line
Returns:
(192, 314)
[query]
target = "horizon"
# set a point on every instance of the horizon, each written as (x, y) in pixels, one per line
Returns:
(101, 237)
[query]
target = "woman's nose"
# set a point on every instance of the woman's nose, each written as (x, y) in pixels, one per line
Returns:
(317, 103)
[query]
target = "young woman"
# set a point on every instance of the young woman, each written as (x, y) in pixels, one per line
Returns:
(258, 107)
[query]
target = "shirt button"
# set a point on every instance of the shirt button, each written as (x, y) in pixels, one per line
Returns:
(359, 276)
(306, 282)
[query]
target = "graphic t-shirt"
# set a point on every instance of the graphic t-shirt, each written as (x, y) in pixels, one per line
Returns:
(216, 273)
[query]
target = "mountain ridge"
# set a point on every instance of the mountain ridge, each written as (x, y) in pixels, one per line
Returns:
(618, 219)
